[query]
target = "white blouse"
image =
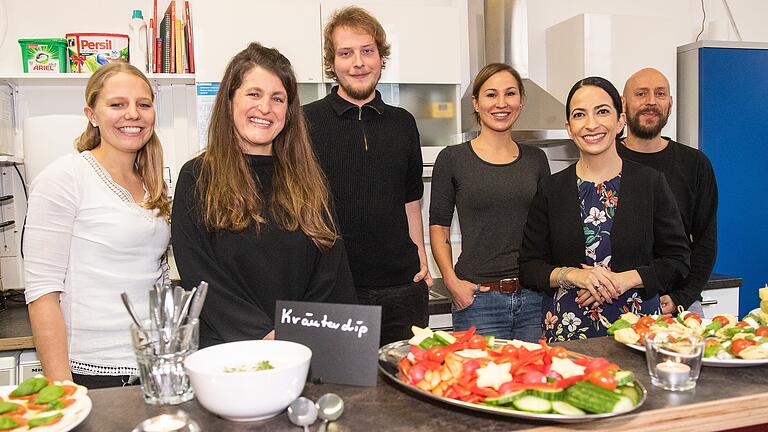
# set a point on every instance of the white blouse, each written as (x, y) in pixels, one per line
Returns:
(86, 238)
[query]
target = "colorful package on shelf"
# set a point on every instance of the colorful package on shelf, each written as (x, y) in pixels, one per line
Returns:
(89, 51)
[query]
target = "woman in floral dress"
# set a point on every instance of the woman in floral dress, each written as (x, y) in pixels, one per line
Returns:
(603, 236)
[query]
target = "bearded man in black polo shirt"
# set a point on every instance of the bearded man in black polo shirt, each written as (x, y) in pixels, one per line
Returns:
(371, 155)
(648, 102)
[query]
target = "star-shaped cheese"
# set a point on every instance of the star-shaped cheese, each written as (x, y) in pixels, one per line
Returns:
(494, 375)
(566, 368)
(419, 334)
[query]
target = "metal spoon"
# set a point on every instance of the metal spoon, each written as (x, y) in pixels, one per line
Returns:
(131, 311)
(302, 412)
(329, 407)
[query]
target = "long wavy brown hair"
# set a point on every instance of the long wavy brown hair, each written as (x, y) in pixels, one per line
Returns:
(149, 159)
(230, 197)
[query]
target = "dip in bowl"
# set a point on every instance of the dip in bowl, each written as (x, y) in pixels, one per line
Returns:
(228, 382)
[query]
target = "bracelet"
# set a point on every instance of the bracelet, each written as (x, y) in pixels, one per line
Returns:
(561, 281)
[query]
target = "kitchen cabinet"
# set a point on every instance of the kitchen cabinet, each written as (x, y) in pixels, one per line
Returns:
(291, 26)
(426, 38)
(721, 106)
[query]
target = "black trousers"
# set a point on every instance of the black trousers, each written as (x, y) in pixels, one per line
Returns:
(402, 306)
(105, 381)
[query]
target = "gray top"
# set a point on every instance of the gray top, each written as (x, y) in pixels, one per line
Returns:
(492, 201)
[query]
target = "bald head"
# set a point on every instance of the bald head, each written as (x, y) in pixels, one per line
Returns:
(647, 103)
(644, 77)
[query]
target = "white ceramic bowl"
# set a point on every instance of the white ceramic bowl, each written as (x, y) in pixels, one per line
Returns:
(248, 396)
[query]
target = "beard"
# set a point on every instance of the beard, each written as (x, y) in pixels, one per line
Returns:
(358, 93)
(646, 132)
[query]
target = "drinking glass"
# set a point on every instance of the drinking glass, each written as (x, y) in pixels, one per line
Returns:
(160, 354)
(674, 359)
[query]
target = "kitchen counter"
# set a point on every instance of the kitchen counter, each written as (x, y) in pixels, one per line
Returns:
(442, 304)
(15, 330)
(723, 399)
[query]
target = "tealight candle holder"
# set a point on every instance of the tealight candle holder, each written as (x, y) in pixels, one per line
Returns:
(674, 360)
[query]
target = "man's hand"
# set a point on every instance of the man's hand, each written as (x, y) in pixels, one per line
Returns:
(424, 274)
(668, 306)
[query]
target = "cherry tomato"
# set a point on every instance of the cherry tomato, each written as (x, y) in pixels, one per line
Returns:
(646, 321)
(416, 374)
(436, 354)
(739, 344)
(603, 378)
(667, 319)
(470, 367)
(742, 324)
(509, 349)
(558, 352)
(693, 316)
(534, 377)
(507, 387)
(597, 363)
(477, 342)
(723, 320)
(641, 330)
(762, 331)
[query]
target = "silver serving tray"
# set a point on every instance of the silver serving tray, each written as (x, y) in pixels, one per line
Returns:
(391, 354)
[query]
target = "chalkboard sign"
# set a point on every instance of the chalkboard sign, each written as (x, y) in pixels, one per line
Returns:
(344, 339)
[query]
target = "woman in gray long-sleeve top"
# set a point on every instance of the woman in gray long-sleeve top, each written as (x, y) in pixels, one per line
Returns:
(491, 181)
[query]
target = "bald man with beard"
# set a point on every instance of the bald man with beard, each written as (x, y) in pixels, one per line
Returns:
(647, 104)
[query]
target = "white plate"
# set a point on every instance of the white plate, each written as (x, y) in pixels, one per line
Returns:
(727, 363)
(68, 422)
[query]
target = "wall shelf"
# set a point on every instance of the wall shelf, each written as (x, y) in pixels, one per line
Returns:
(78, 79)
(10, 160)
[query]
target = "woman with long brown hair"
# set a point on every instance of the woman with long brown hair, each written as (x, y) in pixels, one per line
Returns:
(97, 225)
(251, 215)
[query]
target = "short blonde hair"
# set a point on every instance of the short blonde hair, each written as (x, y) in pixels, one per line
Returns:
(357, 18)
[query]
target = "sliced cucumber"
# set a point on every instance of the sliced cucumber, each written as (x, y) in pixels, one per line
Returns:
(595, 399)
(624, 377)
(630, 392)
(419, 334)
(548, 394)
(533, 404)
(444, 337)
(565, 408)
(624, 404)
(506, 399)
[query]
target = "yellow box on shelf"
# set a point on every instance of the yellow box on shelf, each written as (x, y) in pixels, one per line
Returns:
(442, 110)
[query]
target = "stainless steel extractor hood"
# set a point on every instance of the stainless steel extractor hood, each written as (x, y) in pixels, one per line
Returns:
(506, 41)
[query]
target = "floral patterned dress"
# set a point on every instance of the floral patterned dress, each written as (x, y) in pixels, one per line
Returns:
(564, 319)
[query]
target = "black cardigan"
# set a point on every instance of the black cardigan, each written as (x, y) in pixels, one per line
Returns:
(647, 233)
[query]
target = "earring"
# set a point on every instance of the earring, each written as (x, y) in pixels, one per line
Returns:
(94, 124)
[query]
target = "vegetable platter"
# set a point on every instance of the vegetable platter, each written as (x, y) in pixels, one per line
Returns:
(510, 378)
(38, 404)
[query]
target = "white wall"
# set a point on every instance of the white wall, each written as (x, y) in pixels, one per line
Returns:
(669, 23)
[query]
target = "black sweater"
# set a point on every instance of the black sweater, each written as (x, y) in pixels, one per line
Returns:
(372, 159)
(692, 180)
(247, 272)
(647, 233)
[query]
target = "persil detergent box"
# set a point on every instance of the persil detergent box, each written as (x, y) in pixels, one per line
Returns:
(89, 51)
(44, 55)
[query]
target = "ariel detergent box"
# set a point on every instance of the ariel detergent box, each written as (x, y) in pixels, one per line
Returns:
(89, 51)
(44, 55)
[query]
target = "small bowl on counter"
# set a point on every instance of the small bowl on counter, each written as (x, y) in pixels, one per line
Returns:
(231, 381)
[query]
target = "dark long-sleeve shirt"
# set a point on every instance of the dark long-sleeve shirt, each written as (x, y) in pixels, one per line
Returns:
(372, 159)
(692, 180)
(248, 273)
(492, 201)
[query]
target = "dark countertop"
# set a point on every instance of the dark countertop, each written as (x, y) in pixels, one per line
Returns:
(442, 305)
(723, 399)
(15, 329)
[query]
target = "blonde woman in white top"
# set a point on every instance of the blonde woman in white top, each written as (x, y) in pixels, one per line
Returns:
(97, 225)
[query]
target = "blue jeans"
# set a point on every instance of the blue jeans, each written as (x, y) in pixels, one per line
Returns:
(506, 316)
